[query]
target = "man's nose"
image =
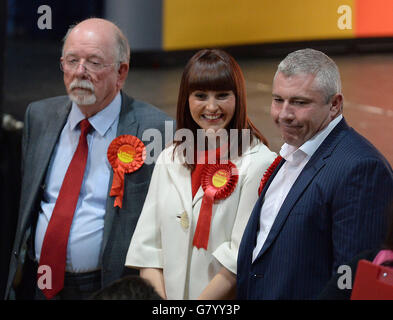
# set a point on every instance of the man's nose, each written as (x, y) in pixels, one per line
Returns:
(81, 69)
(286, 112)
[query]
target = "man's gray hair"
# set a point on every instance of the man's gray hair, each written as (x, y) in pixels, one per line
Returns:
(122, 48)
(310, 61)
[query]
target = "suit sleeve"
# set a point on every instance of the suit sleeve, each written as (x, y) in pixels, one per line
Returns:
(359, 209)
(332, 291)
(227, 252)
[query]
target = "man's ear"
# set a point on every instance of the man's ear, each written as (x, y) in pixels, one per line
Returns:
(122, 74)
(336, 104)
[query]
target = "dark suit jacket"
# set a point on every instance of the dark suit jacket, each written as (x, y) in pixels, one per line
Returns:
(332, 291)
(44, 122)
(335, 209)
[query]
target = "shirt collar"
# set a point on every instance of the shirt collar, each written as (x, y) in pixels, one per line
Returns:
(102, 120)
(307, 149)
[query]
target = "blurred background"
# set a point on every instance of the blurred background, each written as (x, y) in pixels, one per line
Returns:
(164, 34)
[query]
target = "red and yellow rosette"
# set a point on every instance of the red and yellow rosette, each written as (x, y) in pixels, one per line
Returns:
(218, 182)
(126, 154)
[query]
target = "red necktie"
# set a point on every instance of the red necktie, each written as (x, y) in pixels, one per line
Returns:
(54, 247)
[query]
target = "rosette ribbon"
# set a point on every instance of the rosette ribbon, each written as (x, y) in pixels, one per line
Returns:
(126, 154)
(268, 173)
(218, 182)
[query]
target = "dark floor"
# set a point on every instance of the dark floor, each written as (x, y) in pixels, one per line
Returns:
(32, 73)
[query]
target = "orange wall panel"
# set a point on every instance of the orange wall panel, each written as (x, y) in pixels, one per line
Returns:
(374, 18)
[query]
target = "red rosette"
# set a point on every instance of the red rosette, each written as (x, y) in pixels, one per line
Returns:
(126, 154)
(218, 182)
(268, 173)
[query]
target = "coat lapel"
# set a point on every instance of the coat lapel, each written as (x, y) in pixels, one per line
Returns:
(200, 193)
(181, 179)
(315, 164)
(296, 191)
(127, 125)
(50, 137)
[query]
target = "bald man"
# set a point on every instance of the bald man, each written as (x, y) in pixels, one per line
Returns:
(73, 233)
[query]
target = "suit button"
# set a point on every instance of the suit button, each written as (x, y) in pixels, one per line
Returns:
(255, 276)
(15, 253)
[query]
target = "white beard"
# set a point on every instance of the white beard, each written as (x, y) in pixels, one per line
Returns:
(84, 99)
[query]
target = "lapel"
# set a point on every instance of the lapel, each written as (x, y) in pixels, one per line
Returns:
(200, 193)
(181, 180)
(314, 165)
(50, 136)
(127, 125)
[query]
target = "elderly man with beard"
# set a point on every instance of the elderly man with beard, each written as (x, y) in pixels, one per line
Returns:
(73, 229)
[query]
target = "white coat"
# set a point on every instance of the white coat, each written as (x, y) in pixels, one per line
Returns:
(164, 233)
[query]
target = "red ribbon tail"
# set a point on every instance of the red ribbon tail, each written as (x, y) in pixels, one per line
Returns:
(202, 231)
(117, 188)
(118, 201)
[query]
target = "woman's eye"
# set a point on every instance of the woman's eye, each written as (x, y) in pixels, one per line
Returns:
(223, 95)
(200, 95)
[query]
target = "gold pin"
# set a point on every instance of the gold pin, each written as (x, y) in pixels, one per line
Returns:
(184, 220)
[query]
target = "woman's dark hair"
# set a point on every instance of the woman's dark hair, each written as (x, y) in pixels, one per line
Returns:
(214, 70)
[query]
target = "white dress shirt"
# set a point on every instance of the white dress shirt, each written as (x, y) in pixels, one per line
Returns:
(86, 234)
(296, 159)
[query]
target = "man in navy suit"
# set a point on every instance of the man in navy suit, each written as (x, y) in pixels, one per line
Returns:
(326, 199)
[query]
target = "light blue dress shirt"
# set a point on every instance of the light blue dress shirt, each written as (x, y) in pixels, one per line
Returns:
(86, 234)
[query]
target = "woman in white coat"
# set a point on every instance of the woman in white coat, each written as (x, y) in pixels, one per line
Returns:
(187, 237)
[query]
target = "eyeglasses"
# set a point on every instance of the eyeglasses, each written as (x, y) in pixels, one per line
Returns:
(89, 65)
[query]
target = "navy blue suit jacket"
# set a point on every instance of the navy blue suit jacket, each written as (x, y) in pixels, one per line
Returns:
(335, 209)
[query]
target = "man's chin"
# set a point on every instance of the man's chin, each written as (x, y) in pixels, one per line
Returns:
(84, 100)
(292, 141)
